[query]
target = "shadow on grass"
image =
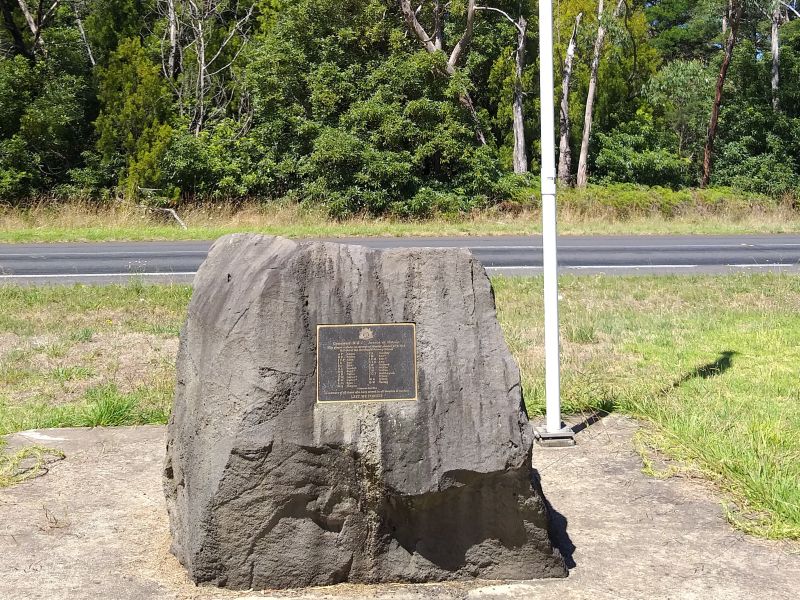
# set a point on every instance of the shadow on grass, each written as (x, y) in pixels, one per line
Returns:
(723, 362)
(708, 370)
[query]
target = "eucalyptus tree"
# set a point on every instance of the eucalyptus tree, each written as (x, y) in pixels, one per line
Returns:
(37, 18)
(731, 21)
(520, 157)
(602, 27)
(436, 42)
(564, 149)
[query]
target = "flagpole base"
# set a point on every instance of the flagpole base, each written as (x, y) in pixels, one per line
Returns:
(563, 438)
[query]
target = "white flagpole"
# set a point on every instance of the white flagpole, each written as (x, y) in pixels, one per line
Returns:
(553, 433)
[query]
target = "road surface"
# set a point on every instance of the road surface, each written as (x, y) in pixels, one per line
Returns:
(610, 255)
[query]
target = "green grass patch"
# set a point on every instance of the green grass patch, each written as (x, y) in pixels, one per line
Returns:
(101, 406)
(63, 374)
(710, 362)
(82, 335)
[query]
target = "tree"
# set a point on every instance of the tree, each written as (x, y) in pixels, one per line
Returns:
(520, 153)
(109, 22)
(684, 29)
(9, 22)
(583, 176)
(564, 150)
(79, 23)
(435, 43)
(133, 130)
(36, 23)
(734, 14)
(230, 21)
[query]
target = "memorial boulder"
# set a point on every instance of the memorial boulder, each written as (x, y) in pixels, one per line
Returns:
(346, 414)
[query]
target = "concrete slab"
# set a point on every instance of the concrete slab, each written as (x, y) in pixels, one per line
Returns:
(95, 527)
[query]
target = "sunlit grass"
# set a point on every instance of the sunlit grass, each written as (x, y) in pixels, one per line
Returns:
(711, 362)
(579, 213)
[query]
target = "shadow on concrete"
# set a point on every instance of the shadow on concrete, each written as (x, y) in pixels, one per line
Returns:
(557, 522)
(593, 418)
(556, 525)
(601, 410)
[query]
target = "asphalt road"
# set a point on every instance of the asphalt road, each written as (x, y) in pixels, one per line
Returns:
(610, 255)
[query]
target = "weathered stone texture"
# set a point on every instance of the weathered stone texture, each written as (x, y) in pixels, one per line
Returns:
(265, 488)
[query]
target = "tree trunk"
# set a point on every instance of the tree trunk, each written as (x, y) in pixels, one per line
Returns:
(173, 68)
(564, 150)
(520, 154)
(200, 96)
(730, 42)
(776, 48)
(438, 26)
(13, 30)
(583, 176)
(83, 36)
(35, 25)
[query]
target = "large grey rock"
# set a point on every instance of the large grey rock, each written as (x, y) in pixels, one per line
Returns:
(265, 488)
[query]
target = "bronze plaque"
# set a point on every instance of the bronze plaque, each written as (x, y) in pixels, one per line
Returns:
(366, 362)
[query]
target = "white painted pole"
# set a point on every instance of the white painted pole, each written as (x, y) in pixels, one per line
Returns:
(548, 182)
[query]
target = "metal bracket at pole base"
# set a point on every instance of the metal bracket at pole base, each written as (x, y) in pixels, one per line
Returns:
(563, 438)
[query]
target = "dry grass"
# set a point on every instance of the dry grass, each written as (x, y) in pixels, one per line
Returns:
(25, 463)
(710, 362)
(77, 221)
(87, 356)
(734, 220)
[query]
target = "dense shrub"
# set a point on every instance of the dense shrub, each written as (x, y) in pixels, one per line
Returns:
(626, 199)
(636, 153)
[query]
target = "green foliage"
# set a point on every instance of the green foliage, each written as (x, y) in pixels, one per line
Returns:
(42, 122)
(135, 105)
(637, 153)
(360, 128)
(679, 94)
(757, 147)
(685, 29)
(109, 22)
(790, 68)
(759, 152)
(335, 104)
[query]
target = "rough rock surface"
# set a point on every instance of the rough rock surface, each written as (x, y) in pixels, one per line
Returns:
(267, 489)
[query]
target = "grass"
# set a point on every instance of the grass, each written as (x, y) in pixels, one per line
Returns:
(88, 356)
(597, 210)
(709, 362)
(25, 463)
